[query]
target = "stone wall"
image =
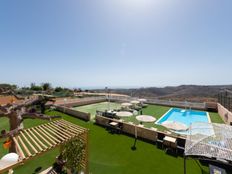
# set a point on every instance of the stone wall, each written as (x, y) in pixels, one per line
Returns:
(74, 113)
(225, 114)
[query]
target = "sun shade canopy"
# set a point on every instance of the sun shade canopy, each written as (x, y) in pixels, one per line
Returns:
(210, 140)
(174, 125)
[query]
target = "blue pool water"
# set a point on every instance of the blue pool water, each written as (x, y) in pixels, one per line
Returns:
(186, 117)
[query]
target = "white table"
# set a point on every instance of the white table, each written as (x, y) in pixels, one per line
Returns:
(170, 139)
(169, 142)
(113, 123)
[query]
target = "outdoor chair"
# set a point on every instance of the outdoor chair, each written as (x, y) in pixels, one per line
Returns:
(159, 141)
(115, 128)
(170, 145)
(180, 146)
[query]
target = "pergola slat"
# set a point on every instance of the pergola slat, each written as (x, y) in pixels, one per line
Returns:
(58, 126)
(24, 146)
(47, 135)
(25, 138)
(66, 129)
(69, 134)
(54, 133)
(45, 140)
(21, 154)
(38, 146)
(69, 126)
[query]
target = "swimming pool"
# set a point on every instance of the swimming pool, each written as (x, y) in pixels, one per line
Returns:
(186, 117)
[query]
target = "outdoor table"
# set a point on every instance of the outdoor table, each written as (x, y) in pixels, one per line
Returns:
(170, 139)
(113, 123)
(115, 127)
(169, 142)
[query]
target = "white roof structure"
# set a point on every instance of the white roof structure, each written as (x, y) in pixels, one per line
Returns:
(210, 140)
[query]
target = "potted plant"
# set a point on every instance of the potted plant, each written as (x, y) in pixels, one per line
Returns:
(73, 152)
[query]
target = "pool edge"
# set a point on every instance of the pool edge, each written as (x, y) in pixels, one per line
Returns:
(163, 116)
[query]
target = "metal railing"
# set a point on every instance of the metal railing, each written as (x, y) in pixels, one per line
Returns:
(225, 99)
(162, 102)
(184, 104)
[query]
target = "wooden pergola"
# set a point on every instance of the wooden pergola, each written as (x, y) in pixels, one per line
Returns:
(37, 140)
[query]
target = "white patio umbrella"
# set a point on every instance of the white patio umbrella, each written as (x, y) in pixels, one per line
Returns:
(135, 102)
(145, 118)
(8, 160)
(124, 114)
(175, 125)
(126, 104)
(142, 100)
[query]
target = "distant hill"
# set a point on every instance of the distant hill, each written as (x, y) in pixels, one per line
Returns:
(183, 92)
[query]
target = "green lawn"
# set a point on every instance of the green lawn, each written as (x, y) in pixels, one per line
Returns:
(215, 118)
(110, 153)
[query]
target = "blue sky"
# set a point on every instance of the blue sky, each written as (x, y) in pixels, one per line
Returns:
(76, 43)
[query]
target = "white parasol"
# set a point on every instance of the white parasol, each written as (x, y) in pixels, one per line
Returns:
(124, 114)
(135, 102)
(142, 100)
(126, 104)
(145, 118)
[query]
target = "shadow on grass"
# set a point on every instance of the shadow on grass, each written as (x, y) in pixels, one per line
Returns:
(37, 170)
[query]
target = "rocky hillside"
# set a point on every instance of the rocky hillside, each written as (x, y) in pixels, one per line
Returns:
(183, 92)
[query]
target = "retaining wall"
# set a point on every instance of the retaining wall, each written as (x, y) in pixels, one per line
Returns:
(225, 114)
(142, 132)
(74, 113)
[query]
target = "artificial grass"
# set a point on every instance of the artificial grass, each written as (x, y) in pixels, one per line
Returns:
(97, 106)
(111, 153)
(215, 118)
